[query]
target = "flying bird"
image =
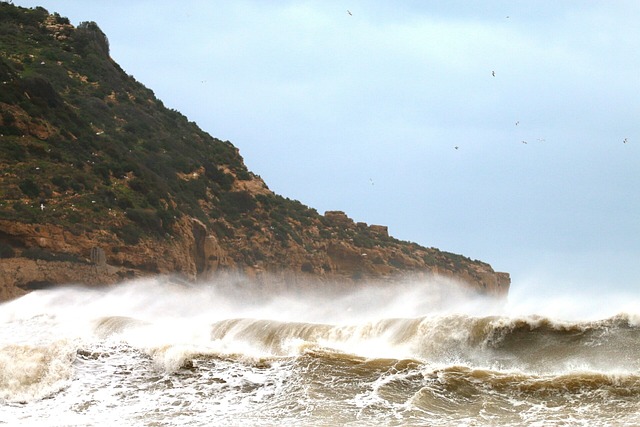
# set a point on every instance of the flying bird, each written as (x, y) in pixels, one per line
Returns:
(349, 12)
(456, 147)
(625, 140)
(518, 122)
(493, 73)
(524, 142)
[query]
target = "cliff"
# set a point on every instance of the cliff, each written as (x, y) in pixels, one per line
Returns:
(100, 182)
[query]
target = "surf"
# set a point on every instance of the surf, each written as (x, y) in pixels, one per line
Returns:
(415, 353)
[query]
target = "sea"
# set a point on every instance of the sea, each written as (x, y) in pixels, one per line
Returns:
(230, 352)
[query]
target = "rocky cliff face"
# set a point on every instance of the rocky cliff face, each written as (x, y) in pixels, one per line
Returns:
(47, 255)
(100, 183)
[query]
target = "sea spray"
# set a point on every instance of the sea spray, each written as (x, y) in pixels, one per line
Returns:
(422, 352)
(32, 372)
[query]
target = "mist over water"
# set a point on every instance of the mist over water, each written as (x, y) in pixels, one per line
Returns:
(245, 353)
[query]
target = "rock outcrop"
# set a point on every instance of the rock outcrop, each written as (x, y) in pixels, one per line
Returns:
(45, 255)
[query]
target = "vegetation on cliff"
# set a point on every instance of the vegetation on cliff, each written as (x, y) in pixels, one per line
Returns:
(87, 149)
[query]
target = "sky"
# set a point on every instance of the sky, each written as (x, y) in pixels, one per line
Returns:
(492, 129)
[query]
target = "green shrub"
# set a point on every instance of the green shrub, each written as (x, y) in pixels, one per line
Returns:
(13, 151)
(147, 219)
(41, 92)
(6, 251)
(61, 182)
(244, 175)
(90, 38)
(167, 218)
(396, 263)
(60, 19)
(8, 125)
(74, 217)
(221, 230)
(124, 202)
(363, 240)
(193, 190)
(29, 188)
(224, 180)
(129, 233)
(102, 170)
(237, 202)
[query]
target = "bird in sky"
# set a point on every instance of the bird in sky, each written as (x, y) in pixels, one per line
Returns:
(625, 140)
(349, 12)
(524, 142)
(518, 122)
(493, 73)
(456, 147)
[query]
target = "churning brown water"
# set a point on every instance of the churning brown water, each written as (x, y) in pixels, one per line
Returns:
(154, 354)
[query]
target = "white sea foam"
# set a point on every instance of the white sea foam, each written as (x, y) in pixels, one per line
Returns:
(30, 372)
(152, 351)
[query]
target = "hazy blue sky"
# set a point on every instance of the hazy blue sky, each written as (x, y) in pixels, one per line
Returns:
(362, 113)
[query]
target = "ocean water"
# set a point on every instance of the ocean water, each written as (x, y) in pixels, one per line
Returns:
(228, 353)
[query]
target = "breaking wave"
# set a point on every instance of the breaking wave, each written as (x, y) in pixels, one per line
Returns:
(413, 354)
